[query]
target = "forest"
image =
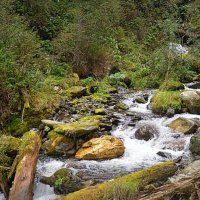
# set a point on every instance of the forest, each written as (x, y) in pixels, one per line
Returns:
(60, 56)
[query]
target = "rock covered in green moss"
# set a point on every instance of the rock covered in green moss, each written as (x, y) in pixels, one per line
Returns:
(100, 111)
(9, 148)
(140, 100)
(76, 91)
(191, 100)
(9, 145)
(164, 100)
(183, 125)
(63, 181)
(133, 183)
(78, 128)
(120, 106)
(58, 144)
(105, 147)
(195, 145)
(171, 85)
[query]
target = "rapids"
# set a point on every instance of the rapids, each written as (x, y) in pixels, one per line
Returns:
(138, 154)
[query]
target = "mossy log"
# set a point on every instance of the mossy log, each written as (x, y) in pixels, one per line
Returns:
(188, 188)
(22, 187)
(133, 183)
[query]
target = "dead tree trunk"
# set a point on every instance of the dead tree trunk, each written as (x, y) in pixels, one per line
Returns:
(22, 188)
(188, 188)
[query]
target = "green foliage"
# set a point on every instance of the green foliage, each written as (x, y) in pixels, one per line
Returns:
(58, 183)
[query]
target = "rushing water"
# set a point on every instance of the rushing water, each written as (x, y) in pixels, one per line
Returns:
(138, 154)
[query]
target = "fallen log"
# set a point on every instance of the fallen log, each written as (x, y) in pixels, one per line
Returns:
(125, 187)
(22, 188)
(188, 188)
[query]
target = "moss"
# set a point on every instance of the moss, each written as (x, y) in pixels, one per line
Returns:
(9, 145)
(5, 160)
(33, 119)
(120, 106)
(76, 91)
(100, 111)
(163, 100)
(133, 182)
(171, 85)
(52, 146)
(77, 129)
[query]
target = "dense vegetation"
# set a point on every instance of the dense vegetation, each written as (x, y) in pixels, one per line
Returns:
(44, 41)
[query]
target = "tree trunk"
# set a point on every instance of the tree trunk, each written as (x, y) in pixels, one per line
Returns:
(126, 186)
(22, 188)
(188, 188)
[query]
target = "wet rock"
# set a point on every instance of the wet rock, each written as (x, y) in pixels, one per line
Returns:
(58, 144)
(78, 128)
(63, 181)
(120, 106)
(140, 100)
(105, 147)
(195, 145)
(183, 125)
(100, 111)
(146, 132)
(164, 154)
(170, 112)
(76, 91)
(191, 99)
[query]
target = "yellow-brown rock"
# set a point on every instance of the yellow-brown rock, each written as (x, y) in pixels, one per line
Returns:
(105, 147)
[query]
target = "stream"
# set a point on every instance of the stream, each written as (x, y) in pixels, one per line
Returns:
(139, 154)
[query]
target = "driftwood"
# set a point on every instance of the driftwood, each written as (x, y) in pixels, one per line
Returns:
(188, 188)
(22, 188)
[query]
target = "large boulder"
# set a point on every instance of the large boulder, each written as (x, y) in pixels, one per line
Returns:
(184, 125)
(191, 100)
(76, 91)
(105, 147)
(58, 144)
(63, 181)
(146, 132)
(195, 145)
(78, 128)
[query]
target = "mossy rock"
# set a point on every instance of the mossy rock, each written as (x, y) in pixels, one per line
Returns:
(78, 128)
(164, 100)
(191, 100)
(9, 145)
(63, 181)
(183, 125)
(195, 145)
(140, 100)
(171, 85)
(100, 111)
(76, 91)
(59, 144)
(133, 183)
(120, 106)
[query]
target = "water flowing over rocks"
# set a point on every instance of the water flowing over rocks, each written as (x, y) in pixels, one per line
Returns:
(111, 135)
